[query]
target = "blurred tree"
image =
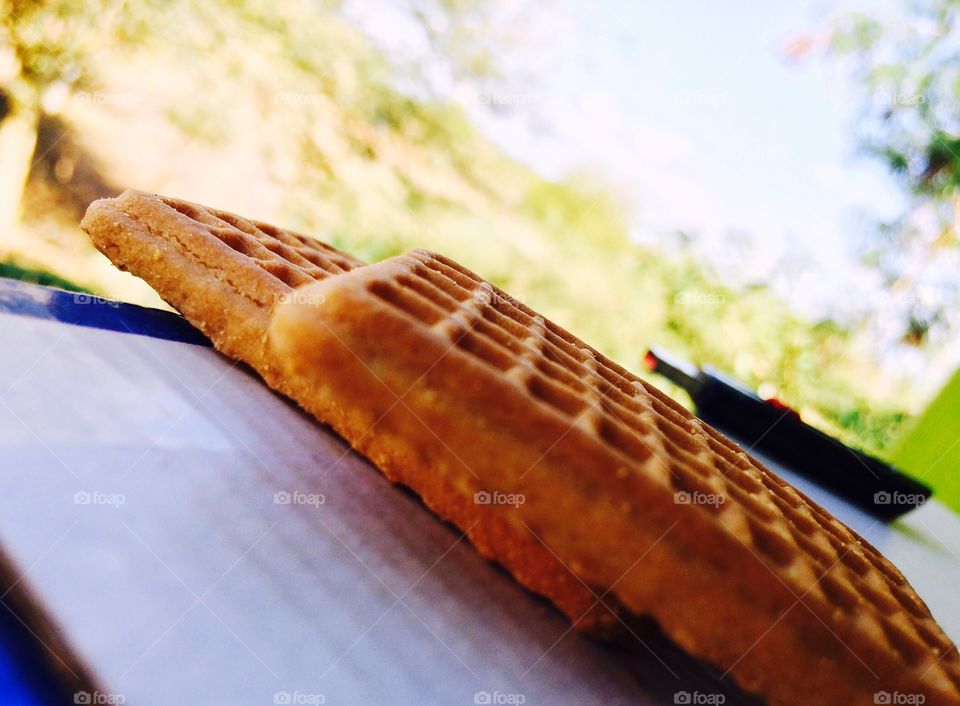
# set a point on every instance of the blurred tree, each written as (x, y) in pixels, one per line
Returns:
(45, 49)
(474, 37)
(48, 50)
(909, 72)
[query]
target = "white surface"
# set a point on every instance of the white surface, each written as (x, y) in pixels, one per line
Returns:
(200, 589)
(924, 544)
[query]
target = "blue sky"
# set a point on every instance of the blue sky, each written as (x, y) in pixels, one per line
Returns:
(695, 113)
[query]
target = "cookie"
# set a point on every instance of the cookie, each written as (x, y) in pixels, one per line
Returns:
(226, 274)
(511, 427)
(223, 272)
(587, 484)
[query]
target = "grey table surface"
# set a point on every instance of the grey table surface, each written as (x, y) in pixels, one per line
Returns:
(198, 540)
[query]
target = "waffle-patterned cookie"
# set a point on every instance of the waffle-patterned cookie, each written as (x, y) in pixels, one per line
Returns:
(588, 485)
(512, 428)
(226, 274)
(223, 272)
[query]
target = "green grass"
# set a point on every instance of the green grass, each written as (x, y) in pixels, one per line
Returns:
(11, 270)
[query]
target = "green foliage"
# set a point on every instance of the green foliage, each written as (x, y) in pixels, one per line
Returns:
(577, 208)
(910, 78)
(54, 40)
(12, 270)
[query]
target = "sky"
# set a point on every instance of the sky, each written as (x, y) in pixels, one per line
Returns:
(693, 112)
(698, 116)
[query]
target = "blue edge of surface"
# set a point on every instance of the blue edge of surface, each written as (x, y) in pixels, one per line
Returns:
(26, 677)
(52, 304)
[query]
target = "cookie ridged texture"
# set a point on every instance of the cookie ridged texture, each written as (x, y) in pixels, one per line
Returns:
(848, 584)
(225, 273)
(288, 259)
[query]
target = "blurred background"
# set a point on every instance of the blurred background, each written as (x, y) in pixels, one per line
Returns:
(770, 188)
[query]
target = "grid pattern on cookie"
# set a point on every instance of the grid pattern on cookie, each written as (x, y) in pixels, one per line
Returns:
(792, 535)
(292, 259)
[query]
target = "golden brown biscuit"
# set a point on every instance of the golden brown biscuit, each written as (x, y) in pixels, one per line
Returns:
(454, 388)
(225, 274)
(619, 497)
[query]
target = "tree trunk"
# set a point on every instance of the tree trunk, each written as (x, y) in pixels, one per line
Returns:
(18, 140)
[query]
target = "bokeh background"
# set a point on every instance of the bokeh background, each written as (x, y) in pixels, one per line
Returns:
(770, 188)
